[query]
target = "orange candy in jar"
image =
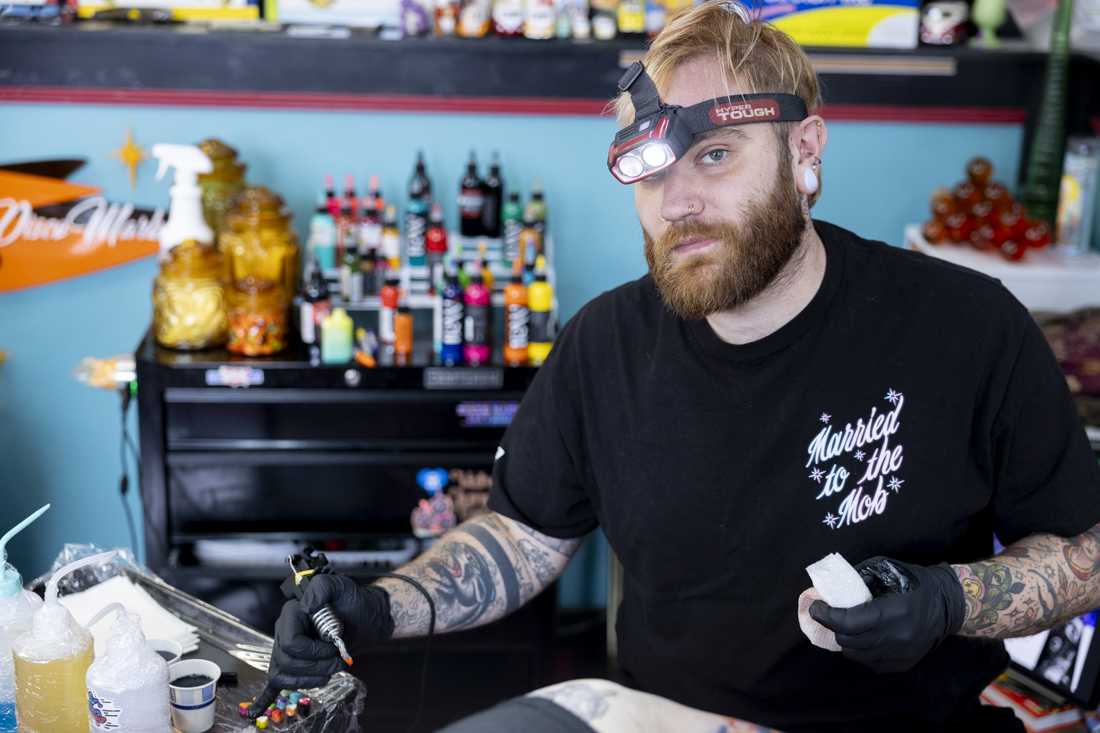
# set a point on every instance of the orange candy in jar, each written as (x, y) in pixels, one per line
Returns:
(257, 318)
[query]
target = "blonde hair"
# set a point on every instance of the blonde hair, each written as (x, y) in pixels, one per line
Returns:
(755, 56)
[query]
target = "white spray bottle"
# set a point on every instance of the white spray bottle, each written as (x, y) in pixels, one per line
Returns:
(17, 606)
(185, 220)
(128, 686)
(51, 663)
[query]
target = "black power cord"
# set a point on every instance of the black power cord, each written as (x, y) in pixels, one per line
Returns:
(427, 640)
(127, 442)
(124, 479)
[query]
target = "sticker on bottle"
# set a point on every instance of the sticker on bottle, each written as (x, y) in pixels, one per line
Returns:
(538, 329)
(104, 713)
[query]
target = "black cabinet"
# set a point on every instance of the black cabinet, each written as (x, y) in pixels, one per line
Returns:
(242, 458)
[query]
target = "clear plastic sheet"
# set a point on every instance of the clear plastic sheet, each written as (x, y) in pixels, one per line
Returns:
(337, 707)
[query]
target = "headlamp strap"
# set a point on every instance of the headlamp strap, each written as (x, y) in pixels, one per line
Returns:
(642, 91)
(742, 109)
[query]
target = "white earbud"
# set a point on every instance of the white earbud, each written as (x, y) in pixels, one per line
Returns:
(809, 180)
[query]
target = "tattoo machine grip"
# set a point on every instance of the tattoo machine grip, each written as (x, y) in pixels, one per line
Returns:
(304, 566)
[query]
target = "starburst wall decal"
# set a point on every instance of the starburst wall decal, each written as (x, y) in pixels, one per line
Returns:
(132, 156)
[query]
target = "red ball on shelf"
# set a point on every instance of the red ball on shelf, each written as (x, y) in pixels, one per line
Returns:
(1012, 250)
(983, 236)
(1037, 234)
(934, 231)
(958, 227)
(942, 204)
(979, 170)
(996, 194)
(1009, 220)
(966, 195)
(982, 211)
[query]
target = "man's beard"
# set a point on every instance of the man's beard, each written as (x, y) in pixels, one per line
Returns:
(746, 258)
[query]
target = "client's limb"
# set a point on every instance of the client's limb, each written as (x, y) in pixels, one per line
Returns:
(611, 708)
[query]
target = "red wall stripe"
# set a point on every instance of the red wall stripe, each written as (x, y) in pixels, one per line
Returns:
(488, 105)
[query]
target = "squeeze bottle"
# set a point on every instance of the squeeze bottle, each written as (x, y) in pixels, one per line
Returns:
(17, 606)
(51, 662)
(128, 686)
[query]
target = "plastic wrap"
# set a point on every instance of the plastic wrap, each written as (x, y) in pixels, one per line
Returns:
(89, 575)
(15, 619)
(128, 686)
(337, 707)
(51, 661)
(17, 608)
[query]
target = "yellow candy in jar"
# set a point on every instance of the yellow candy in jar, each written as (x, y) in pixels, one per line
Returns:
(189, 308)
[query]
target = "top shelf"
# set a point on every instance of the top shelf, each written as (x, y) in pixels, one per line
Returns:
(198, 66)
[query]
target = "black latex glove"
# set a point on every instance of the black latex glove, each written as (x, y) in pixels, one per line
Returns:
(914, 608)
(300, 659)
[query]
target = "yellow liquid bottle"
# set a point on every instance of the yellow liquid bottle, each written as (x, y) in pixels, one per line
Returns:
(51, 697)
(540, 302)
(51, 664)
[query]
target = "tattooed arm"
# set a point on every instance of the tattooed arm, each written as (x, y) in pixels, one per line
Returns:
(1036, 583)
(480, 571)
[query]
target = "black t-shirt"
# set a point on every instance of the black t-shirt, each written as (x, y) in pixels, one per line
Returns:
(911, 410)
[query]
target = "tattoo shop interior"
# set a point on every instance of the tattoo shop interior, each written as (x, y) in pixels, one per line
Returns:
(277, 278)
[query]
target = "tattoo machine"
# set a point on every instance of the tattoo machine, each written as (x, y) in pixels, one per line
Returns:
(304, 566)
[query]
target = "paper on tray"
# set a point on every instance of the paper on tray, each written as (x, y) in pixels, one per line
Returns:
(156, 622)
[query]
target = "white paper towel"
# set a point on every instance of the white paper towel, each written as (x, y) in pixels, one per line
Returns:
(836, 583)
(818, 635)
(156, 622)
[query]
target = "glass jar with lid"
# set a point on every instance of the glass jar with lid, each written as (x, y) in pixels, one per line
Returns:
(189, 306)
(222, 184)
(257, 317)
(258, 240)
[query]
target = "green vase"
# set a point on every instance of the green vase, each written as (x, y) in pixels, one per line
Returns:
(1043, 175)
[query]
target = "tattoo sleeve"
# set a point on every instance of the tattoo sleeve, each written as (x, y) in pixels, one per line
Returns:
(479, 572)
(1037, 583)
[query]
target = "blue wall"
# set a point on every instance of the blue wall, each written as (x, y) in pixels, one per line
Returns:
(59, 440)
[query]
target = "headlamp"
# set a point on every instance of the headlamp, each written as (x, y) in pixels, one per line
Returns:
(662, 133)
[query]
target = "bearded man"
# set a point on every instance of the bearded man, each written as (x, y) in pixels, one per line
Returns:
(774, 390)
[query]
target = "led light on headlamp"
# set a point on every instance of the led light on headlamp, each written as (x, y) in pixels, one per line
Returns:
(661, 133)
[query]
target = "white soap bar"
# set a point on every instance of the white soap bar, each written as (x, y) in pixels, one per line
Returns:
(838, 582)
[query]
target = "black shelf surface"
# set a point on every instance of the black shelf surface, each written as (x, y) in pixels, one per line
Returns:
(189, 65)
(275, 457)
(289, 377)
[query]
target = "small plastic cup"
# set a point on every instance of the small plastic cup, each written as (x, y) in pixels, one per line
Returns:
(193, 707)
(167, 648)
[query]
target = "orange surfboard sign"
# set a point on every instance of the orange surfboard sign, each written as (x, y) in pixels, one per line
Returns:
(92, 236)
